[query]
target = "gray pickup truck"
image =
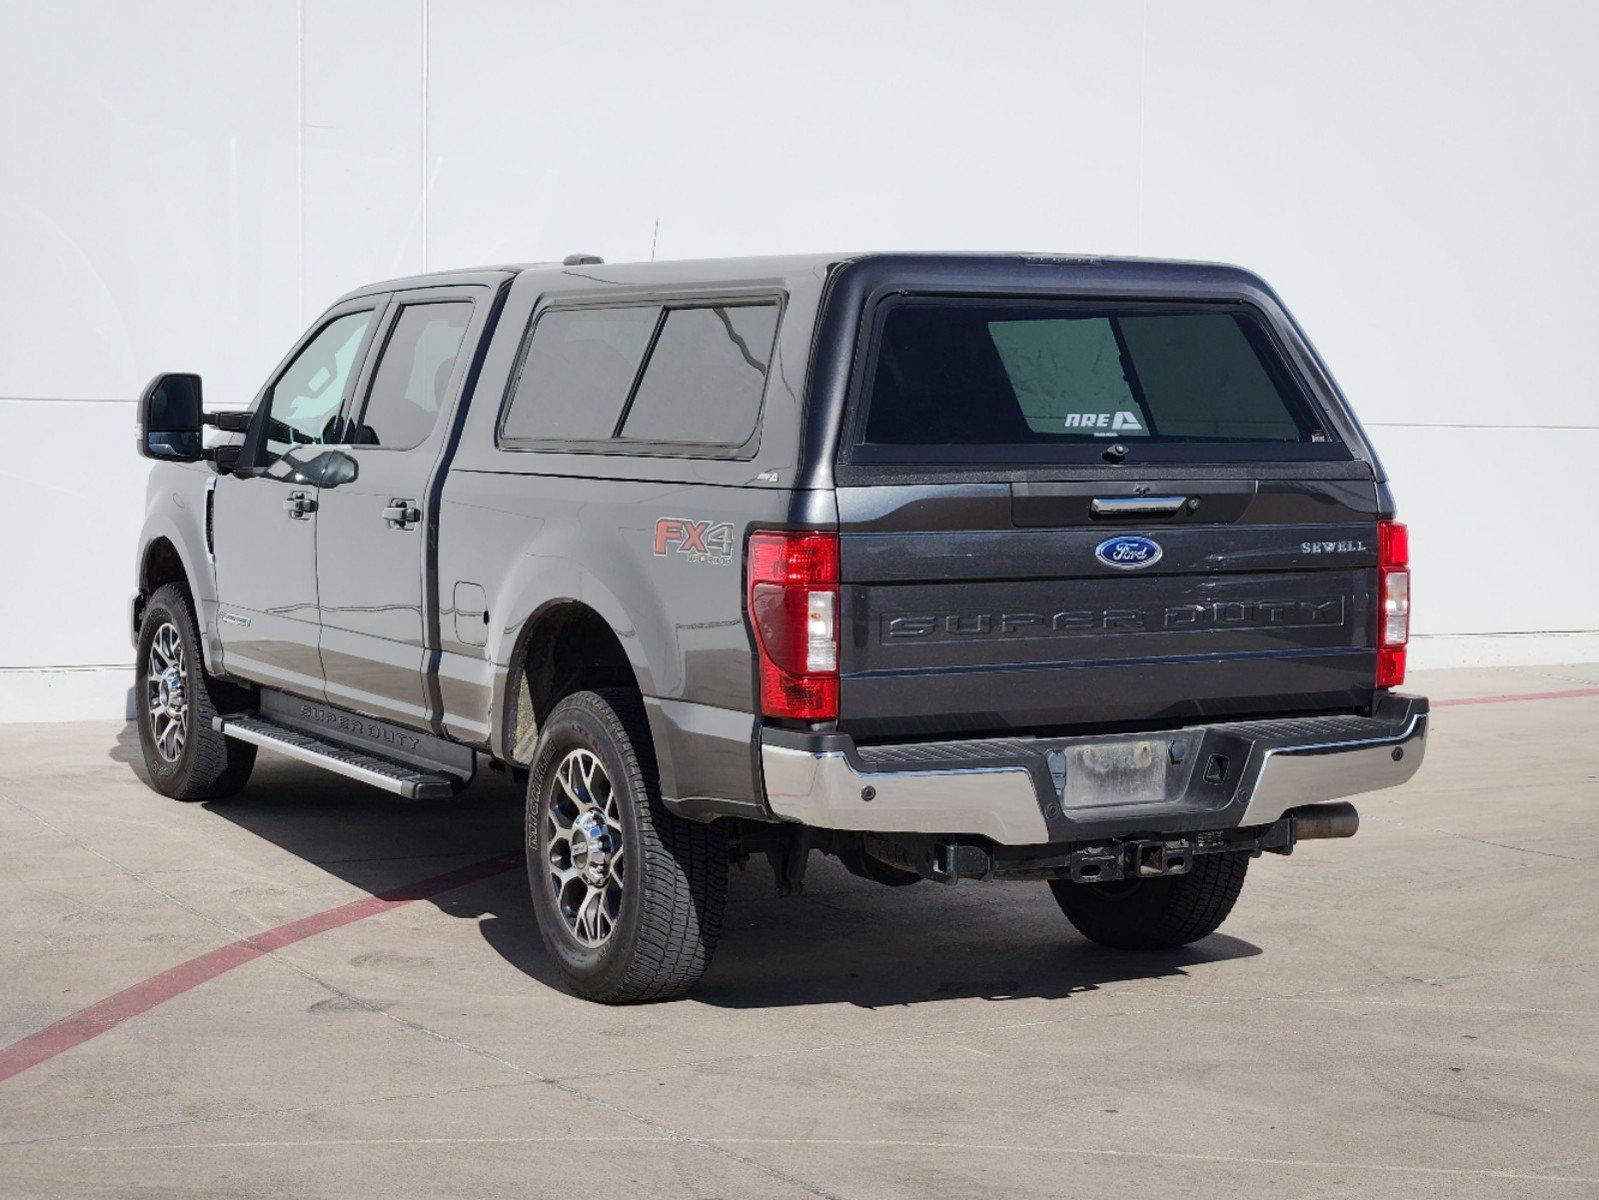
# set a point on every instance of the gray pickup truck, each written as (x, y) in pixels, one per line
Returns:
(1069, 569)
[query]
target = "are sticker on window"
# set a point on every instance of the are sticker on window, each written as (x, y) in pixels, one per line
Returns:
(1068, 376)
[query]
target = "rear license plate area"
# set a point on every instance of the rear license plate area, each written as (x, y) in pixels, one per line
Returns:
(1123, 772)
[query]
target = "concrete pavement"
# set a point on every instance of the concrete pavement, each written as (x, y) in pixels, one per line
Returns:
(1411, 1013)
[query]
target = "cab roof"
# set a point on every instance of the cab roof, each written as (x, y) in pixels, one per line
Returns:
(809, 267)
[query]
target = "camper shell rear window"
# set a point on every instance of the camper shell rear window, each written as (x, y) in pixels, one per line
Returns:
(1026, 381)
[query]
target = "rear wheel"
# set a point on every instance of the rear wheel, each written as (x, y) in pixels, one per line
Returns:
(177, 702)
(1155, 914)
(629, 896)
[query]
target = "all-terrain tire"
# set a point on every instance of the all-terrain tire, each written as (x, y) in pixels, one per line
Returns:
(1155, 914)
(207, 766)
(673, 889)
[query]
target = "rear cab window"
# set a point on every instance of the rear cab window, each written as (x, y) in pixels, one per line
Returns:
(677, 377)
(975, 381)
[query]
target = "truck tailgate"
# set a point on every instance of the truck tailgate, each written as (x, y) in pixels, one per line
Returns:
(989, 607)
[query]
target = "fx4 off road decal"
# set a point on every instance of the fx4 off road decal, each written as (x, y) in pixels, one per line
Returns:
(698, 541)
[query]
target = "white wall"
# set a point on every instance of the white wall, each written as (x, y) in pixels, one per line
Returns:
(184, 185)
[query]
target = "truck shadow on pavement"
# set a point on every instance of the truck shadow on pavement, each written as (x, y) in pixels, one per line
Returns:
(843, 940)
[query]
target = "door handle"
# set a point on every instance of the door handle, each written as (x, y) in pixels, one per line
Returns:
(1137, 506)
(299, 506)
(402, 514)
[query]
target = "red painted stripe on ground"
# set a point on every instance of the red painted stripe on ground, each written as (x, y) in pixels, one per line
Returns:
(1569, 694)
(91, 1022)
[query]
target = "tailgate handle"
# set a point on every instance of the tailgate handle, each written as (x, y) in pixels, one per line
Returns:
(1137, 506)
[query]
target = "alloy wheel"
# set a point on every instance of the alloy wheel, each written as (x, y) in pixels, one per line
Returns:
(166, 696)
(585, 861)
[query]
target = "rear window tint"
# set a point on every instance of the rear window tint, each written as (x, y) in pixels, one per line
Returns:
(585, 379)
(580, 366)
(1037, 376)
(705, 376)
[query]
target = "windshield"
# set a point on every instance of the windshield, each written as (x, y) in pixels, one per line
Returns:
(991, 381)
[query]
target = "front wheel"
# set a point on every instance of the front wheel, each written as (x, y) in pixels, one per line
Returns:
(1155, 914)
(177, 701)
(629, 896)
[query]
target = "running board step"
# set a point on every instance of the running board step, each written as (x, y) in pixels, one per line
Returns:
(414, 783)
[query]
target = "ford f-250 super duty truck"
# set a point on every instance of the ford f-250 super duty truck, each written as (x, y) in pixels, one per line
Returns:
(956, 567)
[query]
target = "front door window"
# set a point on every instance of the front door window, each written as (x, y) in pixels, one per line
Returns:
(303, 407)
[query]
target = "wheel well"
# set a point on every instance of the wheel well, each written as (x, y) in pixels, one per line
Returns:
(566, 648)
(161, 566)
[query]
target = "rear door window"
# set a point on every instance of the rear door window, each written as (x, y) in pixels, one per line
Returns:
(413, 376)
(998, 381)
(705, 376)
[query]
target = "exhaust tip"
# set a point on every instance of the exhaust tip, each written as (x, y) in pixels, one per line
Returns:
(1315, 821)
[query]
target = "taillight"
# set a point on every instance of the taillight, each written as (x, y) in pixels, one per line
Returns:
(793, 607)
(1393, 602)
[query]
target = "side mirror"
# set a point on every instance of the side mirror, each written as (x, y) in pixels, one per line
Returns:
(170, 418)
(330, 469)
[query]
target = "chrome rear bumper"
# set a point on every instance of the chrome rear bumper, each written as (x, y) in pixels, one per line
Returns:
(1034, 791)
(826, 791)
(1294, 775)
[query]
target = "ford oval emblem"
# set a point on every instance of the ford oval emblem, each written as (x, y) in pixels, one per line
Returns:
(1128, 553)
